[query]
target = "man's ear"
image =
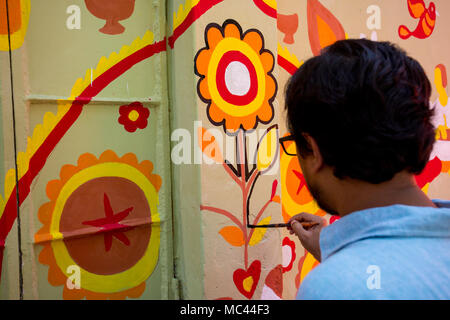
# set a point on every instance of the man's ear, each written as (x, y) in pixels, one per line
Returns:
(316, 159)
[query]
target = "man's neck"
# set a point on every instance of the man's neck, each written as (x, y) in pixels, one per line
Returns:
(359, 195)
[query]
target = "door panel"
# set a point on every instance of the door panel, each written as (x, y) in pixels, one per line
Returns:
(9, 253)
(94, 166)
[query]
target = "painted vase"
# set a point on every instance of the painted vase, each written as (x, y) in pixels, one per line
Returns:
(287, 24)
(112, 11)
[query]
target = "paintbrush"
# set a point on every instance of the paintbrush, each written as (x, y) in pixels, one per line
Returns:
(283, 225)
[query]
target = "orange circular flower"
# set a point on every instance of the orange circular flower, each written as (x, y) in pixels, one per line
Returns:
(102, 220)
(236, 78)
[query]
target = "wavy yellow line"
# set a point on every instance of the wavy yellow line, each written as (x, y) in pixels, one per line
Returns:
(183, 11)
(284, 52)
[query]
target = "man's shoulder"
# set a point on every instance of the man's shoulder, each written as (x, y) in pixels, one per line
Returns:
(380, 269)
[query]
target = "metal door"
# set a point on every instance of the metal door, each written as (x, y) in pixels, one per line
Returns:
(93, 158)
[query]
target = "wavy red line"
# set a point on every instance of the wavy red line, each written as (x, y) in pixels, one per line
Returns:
(196, 12)
(39, 158)
(268, 10)
(286, 65)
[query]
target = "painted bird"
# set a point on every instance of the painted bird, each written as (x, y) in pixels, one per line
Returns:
(427, 20)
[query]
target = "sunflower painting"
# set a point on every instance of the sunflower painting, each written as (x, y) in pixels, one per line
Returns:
(237, 84)
(236, 78)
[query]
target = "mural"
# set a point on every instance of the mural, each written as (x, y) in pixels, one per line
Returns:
(108, 205)
(323, 27)
(224, 63)
(235, 71)
(47, 135)
(238, 86)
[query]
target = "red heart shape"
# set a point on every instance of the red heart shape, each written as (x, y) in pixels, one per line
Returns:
(431, 171)
(247, 280)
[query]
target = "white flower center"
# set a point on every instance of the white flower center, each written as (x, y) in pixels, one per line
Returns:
(237, 78)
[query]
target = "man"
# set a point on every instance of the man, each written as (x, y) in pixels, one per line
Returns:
(360, 117)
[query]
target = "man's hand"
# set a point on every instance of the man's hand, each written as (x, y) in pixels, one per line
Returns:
(308, 235)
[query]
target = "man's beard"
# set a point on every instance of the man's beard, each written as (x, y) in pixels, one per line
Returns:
(316, 194)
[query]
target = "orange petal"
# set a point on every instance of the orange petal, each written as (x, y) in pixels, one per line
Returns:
(254, 39)
(136, 292)
(270, 87)
(73, 294)
(248, 122)
(146, 166)
(67, 171)
(231, 30)
(215, 113)
(202, 61)
(86, 160)
(265, 113)
(130, 158)
(204, 89)
(53, 188)
(108, 156)
(267, 61)
(44, 215)
(213, 37)
(233, 235)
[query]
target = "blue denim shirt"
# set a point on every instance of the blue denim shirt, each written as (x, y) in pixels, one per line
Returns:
(394, 252)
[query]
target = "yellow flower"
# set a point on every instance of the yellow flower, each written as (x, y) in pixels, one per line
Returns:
(236, 77)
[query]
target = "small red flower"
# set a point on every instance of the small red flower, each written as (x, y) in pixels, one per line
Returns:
(133, 116)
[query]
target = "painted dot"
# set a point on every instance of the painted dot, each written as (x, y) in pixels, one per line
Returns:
(248, 283)
(237, 78)
(133, 115)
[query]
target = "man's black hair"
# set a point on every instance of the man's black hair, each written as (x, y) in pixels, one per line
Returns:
(367, 105)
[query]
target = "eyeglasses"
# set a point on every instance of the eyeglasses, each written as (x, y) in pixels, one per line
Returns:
(288, 148)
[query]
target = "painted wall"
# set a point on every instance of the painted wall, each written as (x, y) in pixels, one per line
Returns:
(93, 160)
(255, 53)
(147, 148)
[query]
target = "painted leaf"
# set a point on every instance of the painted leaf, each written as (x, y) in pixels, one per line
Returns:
(323, 27)
(267, 150)
(233, 235)
(259, 233)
